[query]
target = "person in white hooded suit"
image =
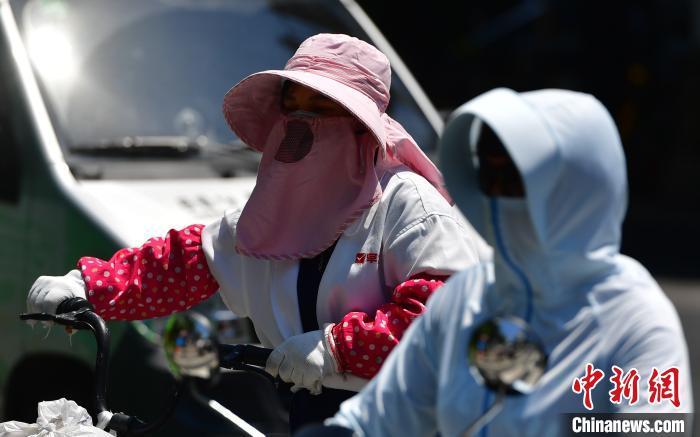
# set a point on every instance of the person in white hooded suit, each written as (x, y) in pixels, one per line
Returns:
(557, 265)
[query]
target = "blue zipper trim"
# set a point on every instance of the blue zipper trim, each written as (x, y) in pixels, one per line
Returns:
(487, 400)
(506, 257)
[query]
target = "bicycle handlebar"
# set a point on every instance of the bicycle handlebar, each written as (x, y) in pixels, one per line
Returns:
(232, 356)
(74, 304)
(245, 357)
(78, 313)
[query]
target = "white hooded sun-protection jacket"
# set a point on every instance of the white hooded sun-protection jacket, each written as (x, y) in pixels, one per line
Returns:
(557, 265)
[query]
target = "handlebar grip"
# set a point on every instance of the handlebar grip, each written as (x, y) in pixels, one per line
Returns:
(74, 304)
(242, 356)
(255, 355)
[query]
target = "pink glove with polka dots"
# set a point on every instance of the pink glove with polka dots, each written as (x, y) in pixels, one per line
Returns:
(362, 343)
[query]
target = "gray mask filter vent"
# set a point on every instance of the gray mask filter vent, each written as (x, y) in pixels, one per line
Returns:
(296, 143)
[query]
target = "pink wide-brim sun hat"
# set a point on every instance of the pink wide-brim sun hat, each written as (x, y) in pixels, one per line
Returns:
(345, 69)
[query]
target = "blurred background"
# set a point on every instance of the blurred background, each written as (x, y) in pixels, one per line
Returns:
(111, 132)
(640, 58)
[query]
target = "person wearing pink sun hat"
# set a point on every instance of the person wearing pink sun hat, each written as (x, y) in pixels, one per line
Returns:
(347, 233)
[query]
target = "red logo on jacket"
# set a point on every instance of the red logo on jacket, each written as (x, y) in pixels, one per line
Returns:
(363, 257)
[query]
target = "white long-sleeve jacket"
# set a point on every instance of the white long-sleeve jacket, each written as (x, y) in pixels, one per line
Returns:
(411, 230)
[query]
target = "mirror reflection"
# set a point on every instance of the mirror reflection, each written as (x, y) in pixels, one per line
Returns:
(507, 355)
(190, 346)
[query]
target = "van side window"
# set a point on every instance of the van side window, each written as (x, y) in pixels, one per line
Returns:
(10, 165)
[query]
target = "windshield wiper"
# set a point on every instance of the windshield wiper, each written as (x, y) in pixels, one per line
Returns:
(140, 145)
(226, 160)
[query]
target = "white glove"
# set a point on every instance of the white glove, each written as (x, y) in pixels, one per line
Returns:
(49, 291)
(305, 360)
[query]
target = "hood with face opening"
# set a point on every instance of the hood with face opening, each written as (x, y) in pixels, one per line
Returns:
(568, 151)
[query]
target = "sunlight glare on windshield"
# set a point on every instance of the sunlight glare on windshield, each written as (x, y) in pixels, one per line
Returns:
(52, 53)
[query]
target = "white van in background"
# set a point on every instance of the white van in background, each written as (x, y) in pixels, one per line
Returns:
(111, 132)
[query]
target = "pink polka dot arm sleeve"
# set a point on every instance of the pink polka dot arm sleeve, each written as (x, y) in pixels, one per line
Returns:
(362, 344)
(163, 276)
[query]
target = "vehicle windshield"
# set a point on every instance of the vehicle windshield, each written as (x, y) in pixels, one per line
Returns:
(121, 73)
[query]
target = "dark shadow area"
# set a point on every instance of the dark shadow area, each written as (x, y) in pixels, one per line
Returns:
(640, 58)
(47, 376)
(248, 395)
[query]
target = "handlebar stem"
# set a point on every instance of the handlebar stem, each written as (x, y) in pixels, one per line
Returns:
(102, 337)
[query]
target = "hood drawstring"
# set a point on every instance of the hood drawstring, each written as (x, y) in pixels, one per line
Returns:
(500, 243)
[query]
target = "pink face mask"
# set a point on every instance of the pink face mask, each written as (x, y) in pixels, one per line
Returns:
(316, 177)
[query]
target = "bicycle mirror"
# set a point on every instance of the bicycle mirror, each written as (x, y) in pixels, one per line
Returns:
(190, 346)
(507, 355)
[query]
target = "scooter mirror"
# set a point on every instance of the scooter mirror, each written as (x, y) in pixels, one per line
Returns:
(507, 355)
(190, 346)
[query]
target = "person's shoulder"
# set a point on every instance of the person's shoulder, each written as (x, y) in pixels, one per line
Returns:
(634, 301)
(403, 188)
(223, 228)
(411, 204)
(639, 286)
(231, 217)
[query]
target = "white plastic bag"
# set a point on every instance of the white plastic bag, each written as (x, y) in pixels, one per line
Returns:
(60, 418)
